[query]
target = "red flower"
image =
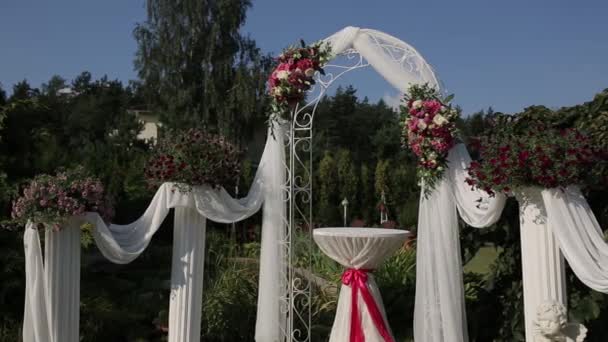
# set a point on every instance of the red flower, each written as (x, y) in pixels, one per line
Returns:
(432, 106)
(304, 64)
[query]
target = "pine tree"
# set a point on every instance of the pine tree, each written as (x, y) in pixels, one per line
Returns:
(368, 198)
(328, 200)
(348, 181)
(2, 96)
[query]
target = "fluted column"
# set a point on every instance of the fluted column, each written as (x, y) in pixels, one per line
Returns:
(542, 261)
(187, 268)
(62, 276)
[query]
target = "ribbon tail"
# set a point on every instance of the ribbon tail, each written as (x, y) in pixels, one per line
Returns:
(356, 330)
(375, 314)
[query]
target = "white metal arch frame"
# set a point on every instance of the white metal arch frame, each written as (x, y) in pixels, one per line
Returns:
(402, 66)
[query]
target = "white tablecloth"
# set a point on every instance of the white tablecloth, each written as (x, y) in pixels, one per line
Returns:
(361, 249)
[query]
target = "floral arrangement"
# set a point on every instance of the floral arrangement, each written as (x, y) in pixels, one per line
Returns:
(49, 200)
(429, 130)
(520, 152)
(193, 158)
(293, 75)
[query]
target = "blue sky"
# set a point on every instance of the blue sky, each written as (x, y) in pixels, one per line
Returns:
(505, 54)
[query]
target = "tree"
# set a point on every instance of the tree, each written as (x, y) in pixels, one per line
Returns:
(382, 177)
(367, 195)
(197, 69)
(348, 181)
(53, 86)
(22, 91)
(2, 96)
(328, 200)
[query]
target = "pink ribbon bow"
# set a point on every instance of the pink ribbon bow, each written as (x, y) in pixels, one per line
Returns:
(357, 280)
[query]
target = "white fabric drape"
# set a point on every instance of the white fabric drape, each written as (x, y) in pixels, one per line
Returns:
(358, 248)
(187, 274)
(123, 243)
(35, 316)
(398, 62)
(580, 236)
(475, 207)
(52, 291)
(542, 263)
(439, 314)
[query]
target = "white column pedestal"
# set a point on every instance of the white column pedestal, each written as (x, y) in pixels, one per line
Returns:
(62, 276)
(542, 261)
(185, 306)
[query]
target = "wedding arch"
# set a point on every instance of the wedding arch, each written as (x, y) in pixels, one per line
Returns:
(553, 221)
(439, 310)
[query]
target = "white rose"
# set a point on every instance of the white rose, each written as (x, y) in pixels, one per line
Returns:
(277, 91)
(309, 72)
(440, 120)
(417, 104)
(421, 124)
(283, 74)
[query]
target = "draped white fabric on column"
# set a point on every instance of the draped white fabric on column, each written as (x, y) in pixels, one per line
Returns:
(35, 314)
(543, 268)
(52, 291)
(579, 235)
(439, 314)
(187, 266)
(123, 243)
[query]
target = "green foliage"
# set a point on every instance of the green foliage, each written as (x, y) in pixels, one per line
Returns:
(230, 301)
(397, 282)
(12, 280)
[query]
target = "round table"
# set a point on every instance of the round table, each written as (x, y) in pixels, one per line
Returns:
(361, 250)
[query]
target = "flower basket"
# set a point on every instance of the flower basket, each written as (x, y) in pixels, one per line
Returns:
(52, 200)
(519, 152)
(193, 158)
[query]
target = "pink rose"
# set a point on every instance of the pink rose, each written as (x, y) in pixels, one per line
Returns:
(284, 67)
(432, 106)
(304, 64)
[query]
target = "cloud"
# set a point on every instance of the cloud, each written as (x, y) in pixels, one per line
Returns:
(392, 100)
